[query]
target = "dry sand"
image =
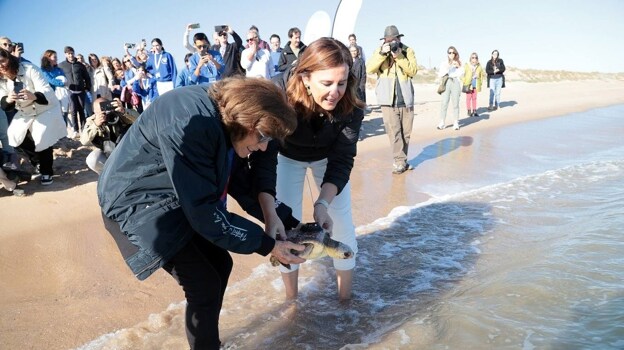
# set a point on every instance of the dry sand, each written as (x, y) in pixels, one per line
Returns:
(63, 282)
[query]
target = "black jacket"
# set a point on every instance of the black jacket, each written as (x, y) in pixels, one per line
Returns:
(166, 179)
(231, 57)
(320, 138)
(489, 70)
(78, 78)
(288, 56)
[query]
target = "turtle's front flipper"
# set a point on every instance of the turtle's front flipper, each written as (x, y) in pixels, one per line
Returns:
(275, 262)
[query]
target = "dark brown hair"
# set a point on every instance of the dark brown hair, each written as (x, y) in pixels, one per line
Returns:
(456, 56)
(324, 53)
(13, 64)
(248, 104)
(46, 64)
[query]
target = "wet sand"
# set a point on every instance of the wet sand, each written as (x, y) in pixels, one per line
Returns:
(64, 283)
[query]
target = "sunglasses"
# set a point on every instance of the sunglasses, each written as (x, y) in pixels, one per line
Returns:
(475, 57)
(451, 52)
(252, 39)
(223, 34)
(202, 46)
(264, 138)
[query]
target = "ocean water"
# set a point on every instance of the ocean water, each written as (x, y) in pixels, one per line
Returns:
(527, 253)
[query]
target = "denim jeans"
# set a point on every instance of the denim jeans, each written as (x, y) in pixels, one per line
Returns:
(496, 85)
(4, 138)
(291, 177)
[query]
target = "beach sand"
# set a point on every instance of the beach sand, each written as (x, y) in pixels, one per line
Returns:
(63, 282)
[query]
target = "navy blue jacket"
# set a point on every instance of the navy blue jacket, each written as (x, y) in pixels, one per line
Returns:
(166, 179)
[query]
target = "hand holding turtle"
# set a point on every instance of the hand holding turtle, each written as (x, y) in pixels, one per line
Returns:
(282, 251)
(321, 216)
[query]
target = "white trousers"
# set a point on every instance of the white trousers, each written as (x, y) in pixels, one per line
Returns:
(291, 175)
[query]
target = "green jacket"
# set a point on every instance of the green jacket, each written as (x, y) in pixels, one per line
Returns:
(468, 75)
(404, 69)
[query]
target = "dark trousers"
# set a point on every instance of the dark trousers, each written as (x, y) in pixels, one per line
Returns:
(78, 107)
(203, 270)
(44, 158)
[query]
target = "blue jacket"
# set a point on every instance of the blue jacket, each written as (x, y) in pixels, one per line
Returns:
(164, 182)
(51, 75)
(183, 79)
(209, 72)
(162, 66)
(148, 92)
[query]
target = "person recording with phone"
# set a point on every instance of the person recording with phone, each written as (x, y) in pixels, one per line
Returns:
(37, 123)
(105, 129)
(205, 66)
(230, 52)
(16, 49)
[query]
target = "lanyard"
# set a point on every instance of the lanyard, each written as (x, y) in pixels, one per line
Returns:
(157, 61)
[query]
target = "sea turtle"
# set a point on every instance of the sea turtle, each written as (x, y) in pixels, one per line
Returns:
(317, 244)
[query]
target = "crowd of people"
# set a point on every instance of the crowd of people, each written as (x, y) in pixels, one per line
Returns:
(160, 134)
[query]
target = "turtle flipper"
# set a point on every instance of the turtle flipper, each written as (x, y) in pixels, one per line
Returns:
(276, 262)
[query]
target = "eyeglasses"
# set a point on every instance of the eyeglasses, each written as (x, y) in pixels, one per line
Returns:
(451, 52)
(223, 34)
(202, 46)
(252, 39)
(126, 61)
(475, 57)
(6, 44)
(263, 138)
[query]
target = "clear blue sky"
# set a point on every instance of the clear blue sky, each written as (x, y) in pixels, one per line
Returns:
(575, 35)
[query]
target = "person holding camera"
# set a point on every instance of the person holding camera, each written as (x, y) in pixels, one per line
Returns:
(104, 130)
(37, 123)
(395, 65)
(230, 51)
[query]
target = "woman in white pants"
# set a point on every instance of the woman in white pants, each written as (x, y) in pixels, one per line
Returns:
(329, 116)
(453, 67)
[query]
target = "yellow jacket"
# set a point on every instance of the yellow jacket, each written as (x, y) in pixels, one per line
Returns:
(404, 68)
(468, 75)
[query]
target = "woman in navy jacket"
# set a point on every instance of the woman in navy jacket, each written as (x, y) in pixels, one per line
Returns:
(163, 190)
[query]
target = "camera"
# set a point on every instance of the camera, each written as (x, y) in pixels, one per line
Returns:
(129, 45)
(395, 46)
(108, 109)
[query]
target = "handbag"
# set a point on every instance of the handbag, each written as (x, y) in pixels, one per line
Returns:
(442, 86)
(467, 88)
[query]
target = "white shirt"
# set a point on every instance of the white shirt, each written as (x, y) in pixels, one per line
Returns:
(260, 66)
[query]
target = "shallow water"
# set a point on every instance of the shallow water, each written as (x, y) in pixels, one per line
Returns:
(530, 256)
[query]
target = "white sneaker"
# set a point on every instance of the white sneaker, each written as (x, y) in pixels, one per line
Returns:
(456, 126)
(441, 126)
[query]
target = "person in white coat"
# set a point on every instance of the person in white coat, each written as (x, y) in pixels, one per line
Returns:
(452, 67)
(38, 122)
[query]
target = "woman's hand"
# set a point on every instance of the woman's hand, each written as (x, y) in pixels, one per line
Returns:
(26, 95)
(274, 227)
(322, 218)
(281, 251)
(12, 97)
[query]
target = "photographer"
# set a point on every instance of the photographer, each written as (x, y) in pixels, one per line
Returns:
(105, 129)
(395, 65)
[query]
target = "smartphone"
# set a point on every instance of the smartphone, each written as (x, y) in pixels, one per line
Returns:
(221, 28)
(130, 46)
(106, 106)
(18, 86)
(194, 26)
(20, 46)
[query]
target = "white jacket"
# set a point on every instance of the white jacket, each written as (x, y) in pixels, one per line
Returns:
(102, 79)
(45, 122)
